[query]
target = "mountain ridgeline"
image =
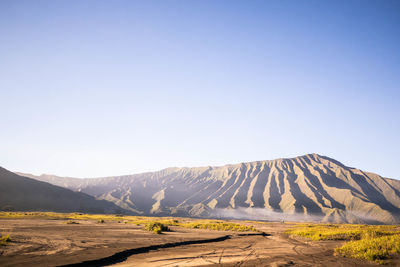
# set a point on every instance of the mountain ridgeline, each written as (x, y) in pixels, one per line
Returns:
(18, 193)
(305, 188)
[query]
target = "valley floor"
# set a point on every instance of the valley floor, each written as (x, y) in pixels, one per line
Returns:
(49, 242)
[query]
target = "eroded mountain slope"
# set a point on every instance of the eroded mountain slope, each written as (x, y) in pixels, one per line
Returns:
(310, 187)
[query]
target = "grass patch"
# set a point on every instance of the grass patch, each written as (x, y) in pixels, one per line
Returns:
(147, 220)
(340, 231)
(369, 242)
(4, 239)
(156, 227)
(219, 226)
(374, 249)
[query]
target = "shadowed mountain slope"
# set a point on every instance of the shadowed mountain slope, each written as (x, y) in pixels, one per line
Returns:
(20, 193)
(309, 187)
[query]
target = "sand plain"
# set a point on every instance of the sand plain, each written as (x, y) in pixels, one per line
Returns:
(46, 242)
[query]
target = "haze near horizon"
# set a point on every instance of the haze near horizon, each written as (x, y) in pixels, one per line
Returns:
(101, 88)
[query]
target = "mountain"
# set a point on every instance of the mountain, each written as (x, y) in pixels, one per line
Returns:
(18, 193)
(309, 187)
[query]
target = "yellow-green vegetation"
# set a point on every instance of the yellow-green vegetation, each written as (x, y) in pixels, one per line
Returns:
(375, 249)
(4, 239)
(369, 242)
(340, 231)
(156, 227)
(82, 216)
(147, 220)
(219, 225)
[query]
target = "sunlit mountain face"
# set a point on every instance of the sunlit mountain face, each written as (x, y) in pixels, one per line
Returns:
(305, 188)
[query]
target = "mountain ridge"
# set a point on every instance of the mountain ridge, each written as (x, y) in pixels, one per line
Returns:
(21, 193)
(308, 187)
(27, 174)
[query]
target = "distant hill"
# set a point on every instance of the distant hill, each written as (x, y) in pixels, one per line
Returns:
(309, 187)
(18, 193)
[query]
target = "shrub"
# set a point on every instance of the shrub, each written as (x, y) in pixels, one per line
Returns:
(4, 240)
(156, 227)
(101, 221)
(157, 231)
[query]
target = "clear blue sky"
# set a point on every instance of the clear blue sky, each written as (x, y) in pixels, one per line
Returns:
(97, 88)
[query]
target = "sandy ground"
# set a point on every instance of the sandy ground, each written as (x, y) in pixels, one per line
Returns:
(55, 243)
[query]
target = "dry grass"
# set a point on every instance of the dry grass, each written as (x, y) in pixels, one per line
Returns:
(218, 225)
(374, 249)
(369, 242)
(340, 231)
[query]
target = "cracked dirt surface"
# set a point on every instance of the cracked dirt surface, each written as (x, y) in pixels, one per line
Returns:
(54, 243)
